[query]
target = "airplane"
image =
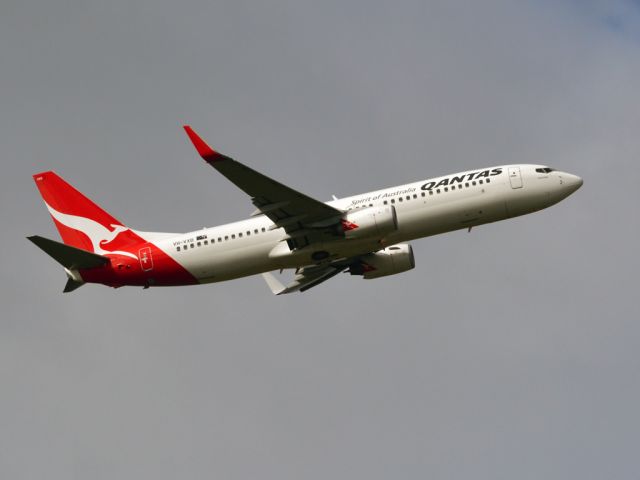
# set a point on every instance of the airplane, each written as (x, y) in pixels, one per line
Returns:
(364, 235)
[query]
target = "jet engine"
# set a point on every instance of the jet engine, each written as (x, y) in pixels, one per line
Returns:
(370, 222)
(395, 259)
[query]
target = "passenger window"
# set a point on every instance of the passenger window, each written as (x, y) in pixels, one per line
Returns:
(399, 199)
(233, 237)
(438, 190)
(263, 229)
(199, 244)
(466, 184)
(423, 194)
(473, 183)
(393, 200)
(192, 245)
(206, 242)
(255, 231)
(226, 237)
(178, 248)
(453, 187)
(446, 189)
(219, 239)
(385, 202)
(480, 182)
(430, 192)
(488, 180)
(240, 235)
(408, 197)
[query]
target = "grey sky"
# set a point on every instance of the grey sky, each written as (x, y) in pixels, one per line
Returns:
(510, 352)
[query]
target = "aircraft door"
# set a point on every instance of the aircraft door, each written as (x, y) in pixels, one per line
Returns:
(514, 177)
(146, 262)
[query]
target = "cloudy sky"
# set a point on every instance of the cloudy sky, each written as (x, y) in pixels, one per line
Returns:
(510, 352)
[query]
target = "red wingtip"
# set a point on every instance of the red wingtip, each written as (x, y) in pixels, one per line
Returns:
(205, 151)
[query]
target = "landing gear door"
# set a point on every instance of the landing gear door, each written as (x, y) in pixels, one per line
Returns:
(514, 177)
(146, 262)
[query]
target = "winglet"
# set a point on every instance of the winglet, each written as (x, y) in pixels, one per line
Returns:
(208, 154)
(274, 284)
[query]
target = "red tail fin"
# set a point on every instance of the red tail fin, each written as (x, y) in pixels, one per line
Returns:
(82, 223)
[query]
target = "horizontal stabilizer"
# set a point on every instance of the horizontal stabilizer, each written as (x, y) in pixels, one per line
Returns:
(69, 257)
(72, 285)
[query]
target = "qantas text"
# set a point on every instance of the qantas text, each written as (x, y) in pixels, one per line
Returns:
(462, 178)
(465, 177)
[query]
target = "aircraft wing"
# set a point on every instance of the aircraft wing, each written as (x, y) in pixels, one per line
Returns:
(309, 276)
(301, 282)
(300, 215)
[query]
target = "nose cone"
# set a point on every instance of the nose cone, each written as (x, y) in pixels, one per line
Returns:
(572, 182)
(568, 184)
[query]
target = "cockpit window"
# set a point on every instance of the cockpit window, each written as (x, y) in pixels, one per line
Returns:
(544, 170)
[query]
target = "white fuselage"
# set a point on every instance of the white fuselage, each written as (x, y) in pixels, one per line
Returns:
(424, 208)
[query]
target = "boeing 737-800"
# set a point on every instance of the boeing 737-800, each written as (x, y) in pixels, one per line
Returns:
(364, 234)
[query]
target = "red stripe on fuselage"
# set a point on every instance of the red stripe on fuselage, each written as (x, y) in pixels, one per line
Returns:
(123, 270)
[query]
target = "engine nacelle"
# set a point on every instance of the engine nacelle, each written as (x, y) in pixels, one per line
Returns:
(395, 259)
(370, 222)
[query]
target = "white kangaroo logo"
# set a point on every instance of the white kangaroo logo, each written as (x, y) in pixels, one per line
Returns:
(98, 234)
